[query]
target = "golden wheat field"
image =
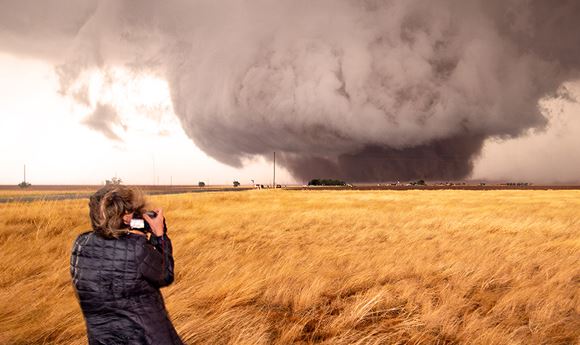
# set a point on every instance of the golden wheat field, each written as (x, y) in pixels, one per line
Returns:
(329, 267)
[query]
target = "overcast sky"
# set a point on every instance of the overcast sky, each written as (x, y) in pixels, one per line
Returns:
(41, 128)
(186, 91)
(48, 132)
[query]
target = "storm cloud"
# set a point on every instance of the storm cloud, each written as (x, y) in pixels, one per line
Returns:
(362, 90)
(103, 120)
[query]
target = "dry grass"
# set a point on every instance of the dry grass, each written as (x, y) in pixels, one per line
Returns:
(280, 267)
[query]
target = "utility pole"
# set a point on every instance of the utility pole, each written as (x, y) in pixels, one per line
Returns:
(274, 178)
(154, 175)
(24, 173)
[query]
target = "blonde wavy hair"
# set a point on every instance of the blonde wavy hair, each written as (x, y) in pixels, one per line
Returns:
(108, 206)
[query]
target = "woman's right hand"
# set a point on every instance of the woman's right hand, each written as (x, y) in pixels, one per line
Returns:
(157, 224)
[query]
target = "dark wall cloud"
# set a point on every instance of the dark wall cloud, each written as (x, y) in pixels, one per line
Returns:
(362, 90)
(447, 159)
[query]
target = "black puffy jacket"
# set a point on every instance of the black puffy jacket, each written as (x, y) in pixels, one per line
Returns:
(117, 282)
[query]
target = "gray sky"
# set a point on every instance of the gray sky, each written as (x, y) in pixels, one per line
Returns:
(49, 133)
(205, 90)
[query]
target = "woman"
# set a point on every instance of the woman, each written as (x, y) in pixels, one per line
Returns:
(117, 272)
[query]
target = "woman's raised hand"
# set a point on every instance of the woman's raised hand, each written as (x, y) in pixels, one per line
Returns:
(157, 223)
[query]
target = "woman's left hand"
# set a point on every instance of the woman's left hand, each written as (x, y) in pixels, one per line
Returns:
(157, 223)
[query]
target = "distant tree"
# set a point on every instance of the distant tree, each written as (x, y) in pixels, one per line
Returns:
(421, 182)
(236, 184)
(24, 184)
(114, 180)
(201, 184)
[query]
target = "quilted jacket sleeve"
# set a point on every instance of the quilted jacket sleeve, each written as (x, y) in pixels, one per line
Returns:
(156, 261)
